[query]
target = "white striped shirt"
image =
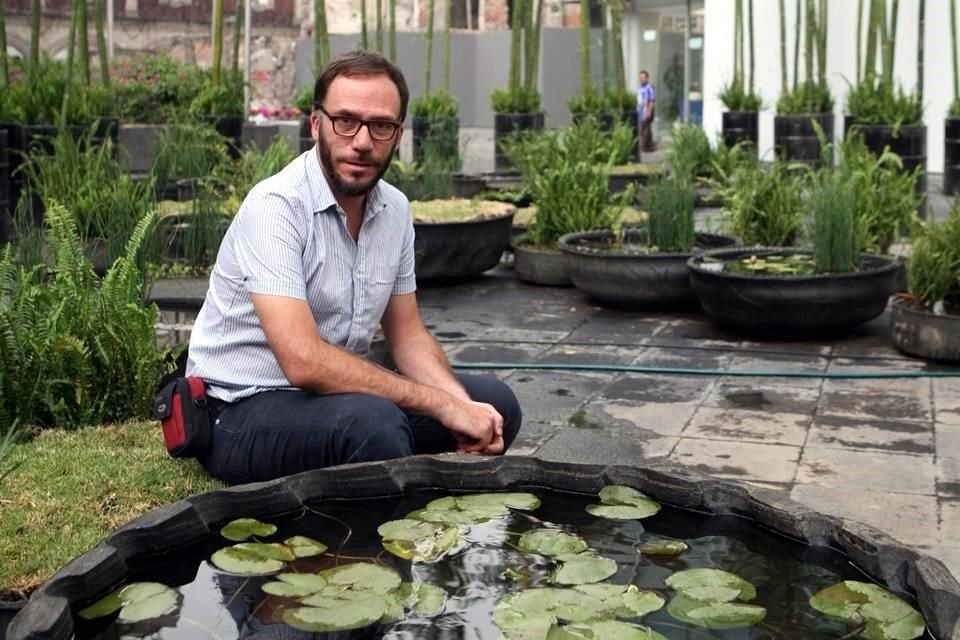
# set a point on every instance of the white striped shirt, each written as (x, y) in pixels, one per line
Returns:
(290, 238)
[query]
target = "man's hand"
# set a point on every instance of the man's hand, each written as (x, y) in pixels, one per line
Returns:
(476, 426)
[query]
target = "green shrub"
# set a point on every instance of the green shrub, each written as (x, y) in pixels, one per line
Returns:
(934, 265)
(520, 100)
(809, 97)
(588, 102)
(188, 151)
(587, 141)
(75, 349)
(303, 100)
(235, 178)
(690, 155)
(37, 97)
(621, 100)
(670, 210)
(155, 88)
(221, 99)
(735, 97)
(765, 205)
(831, 202)
(874, 101)
(439, 104)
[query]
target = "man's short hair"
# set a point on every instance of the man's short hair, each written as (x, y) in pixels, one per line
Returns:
(644, 73)
(360, 62)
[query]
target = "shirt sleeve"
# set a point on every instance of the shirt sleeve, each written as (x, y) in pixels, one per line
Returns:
(653, 94)
(406, 281)
(269, 245)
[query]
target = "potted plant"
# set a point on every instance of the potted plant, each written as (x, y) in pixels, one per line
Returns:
(794, 135)
(951, 153)
(517, 108)
(740, 119)
(220, 103)
(571, 193)
(926, 321)
(643, 268)
(786, 291)
(303, 102)
(881, 112)
(692, 158)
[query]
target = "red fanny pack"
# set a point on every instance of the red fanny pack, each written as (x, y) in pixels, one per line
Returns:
(181, 408)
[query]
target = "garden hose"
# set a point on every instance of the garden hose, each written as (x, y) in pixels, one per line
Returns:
(686, 371)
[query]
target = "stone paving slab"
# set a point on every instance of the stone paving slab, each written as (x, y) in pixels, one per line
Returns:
(741, 425)
(845, 469)
(738, 460)
(879, 435)
(772, 395)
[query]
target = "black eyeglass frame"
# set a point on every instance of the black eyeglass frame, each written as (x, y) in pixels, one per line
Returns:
(362, 123)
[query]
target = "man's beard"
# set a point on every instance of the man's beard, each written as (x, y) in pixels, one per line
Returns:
(338, 184)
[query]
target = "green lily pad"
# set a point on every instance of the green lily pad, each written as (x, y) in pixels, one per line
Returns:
(532, 612)
(551, 542)
(447, 503)
(270, 550)
(136, 602)
(423, 599)
(611, 630)
(887, 617)
(448, 517)
(245, 562)
(663, 548)
(617, 494)
(415, 540)
(363, 576)
(304, 547)
(641, 603)
(622, 511)
(626, 600)
(246, 528)
(411, 530)
(711, 585)
(295, 585)
(715, 615)
(522, 501)
(338, 614)
(583, 569)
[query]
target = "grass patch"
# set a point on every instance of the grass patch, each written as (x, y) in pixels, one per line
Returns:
(457, 210)
(631, 216)
(72, 488)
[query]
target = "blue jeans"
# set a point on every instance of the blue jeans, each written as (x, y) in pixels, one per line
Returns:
(278, 433)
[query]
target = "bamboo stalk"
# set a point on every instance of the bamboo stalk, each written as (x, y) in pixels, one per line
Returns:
(35, 11)
(886, 66)
(534, 51)
(83, 42)
(750, 27)
(921, 26)
(809, 36)
(860, 38)
(71, 43)
(870, 61)
(953, 45)
(446, 44)
(605, 44)
(528, 60)
(892, 33)
(217, 39)
(516, 44)
(428, 64)
(237, 29)
(618, 62)
(321, 53)
(4, 62)
(783, 48)
(822, 44)
(101, 42)
(798, 21)
(364, 42)
(738, 42)
(392, 10)
(585, 46)
(379, 24)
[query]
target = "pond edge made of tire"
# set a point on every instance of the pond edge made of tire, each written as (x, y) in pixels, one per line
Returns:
(461, 249)
(47, 615)
(635, 280)
(922, 333)
(798, 307)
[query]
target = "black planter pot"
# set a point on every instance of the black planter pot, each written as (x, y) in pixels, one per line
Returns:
(540, 266)
(468, 186)
(508, 124)
(305, 135)
(230, 127)
(631, 279)
(193, 525)
(5, 208)
(741, 126)
(456, 250)
(791, 306)
(796, 139)
(922, 333)
(443, 134)
(951, 156)
(8, 609)
(910, 143)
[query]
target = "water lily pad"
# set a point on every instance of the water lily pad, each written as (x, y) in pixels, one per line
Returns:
(625, 600)
(415, 540)
(611, 630)
(551, 542)
(663, 548)
(522, 501)
(271, 550)
(423, 599)
(245, 563)
(583, 569)
(711, 585)
(246, 528)
(622, 511)
(338, 614)
(363, 576)
(411, 530)
(531, 613)
(448, 517)
(304, 547)
(641, 603)
(295, 585)
(887, 617)
(715, 615)
(136, 601)
(617, 494)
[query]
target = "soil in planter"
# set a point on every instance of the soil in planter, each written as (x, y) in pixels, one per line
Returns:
(488, 565)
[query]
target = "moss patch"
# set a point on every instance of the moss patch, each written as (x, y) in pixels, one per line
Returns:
(457, 210)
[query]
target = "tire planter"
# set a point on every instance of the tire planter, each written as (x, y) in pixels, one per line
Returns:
(619, 180)
(445, 134)
(795, 138)
(795, 306)
(540, 266)
(507, 124)
(231, 128)
(910, 144)
(951, 156)
(741, 126)
(925, 334)
(9, 609)
(456, 250)
(468, 186)
(633, 280)
(196, 521)
(6, 222)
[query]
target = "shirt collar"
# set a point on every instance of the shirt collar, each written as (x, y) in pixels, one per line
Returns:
(323, 199)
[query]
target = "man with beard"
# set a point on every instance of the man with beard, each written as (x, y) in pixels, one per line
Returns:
(315, 258)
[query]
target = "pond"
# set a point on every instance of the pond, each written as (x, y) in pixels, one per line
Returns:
(487, 562)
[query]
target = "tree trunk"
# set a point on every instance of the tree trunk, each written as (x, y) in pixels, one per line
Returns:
(101, 43)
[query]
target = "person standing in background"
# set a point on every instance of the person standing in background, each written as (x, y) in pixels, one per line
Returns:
(646, 108)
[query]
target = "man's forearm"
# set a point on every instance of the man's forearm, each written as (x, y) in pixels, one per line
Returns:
(422, 360)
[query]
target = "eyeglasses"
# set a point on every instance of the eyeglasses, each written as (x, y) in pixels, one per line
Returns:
(348, 126)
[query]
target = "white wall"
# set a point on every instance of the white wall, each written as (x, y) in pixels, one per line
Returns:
(841, 62)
